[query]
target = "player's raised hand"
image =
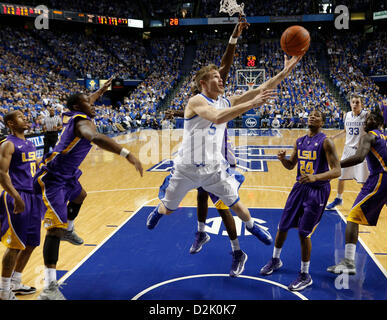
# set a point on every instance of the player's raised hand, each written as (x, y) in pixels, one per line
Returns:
(137, 164)
(242, 24)
(281, 155)
(290, 64)
(264, 97)
(107, 84)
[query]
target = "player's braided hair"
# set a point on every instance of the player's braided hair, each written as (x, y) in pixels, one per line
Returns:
(378, 116)
(73, 100)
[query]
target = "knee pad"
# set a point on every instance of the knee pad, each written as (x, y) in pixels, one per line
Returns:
(73, 210)
(51, 250)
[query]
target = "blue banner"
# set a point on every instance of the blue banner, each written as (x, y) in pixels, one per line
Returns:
(92, 84)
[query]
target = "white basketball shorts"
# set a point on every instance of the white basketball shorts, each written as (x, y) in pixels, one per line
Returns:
(359, 172)
(184, 177)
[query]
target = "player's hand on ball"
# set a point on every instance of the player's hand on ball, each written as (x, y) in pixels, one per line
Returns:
(290, 64)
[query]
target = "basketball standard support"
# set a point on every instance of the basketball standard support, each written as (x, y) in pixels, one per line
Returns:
(250, 78)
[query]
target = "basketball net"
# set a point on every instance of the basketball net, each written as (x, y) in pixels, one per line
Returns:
(231, 7)
(251, 85)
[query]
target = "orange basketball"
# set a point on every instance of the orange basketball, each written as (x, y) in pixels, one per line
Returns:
(295, 40)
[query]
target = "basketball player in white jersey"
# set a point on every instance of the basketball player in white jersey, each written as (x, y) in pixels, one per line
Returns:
(354, 122)
(200, 162)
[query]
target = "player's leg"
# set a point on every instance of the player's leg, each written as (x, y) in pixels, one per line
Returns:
(289, 219)
(171, 193)
(226, 189)
(13, 236)
(275, 262)
(244, 214)
(33, 231)
(314, 202)
(77, 197)
(365, 210)
(239, 257)
(8, 265)
(16, 281)
(201, 237)
(55, 221)
(338, 201)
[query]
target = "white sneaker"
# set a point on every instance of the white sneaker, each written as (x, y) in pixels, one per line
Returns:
(51, 293)
(7, 295)
(19, 288)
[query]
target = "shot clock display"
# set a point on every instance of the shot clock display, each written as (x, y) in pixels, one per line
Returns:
(173, 22)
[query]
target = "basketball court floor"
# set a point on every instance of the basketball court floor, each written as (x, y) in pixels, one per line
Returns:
(122, 260)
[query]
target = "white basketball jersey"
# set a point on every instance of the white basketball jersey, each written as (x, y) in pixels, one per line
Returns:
(202, 139)
(354, 128)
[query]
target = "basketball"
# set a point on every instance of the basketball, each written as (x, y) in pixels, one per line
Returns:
(295, 40)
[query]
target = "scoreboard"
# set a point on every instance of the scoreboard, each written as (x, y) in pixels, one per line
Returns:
(27, 11)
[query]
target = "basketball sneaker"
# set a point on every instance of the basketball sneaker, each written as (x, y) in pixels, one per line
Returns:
(239, 259)
(334, 203)
(153, 218)
(261, 234)
(18, 288)
(344, 266)
(72, 237)
(201, 238)
(272, 265)
(303, 280)
(7, 295)
(52, 292)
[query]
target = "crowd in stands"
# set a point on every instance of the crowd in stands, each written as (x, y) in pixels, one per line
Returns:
(345, 63)
(36, 70)
(374, 58)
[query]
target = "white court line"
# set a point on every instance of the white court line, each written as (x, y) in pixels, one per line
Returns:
(370, 253)
(302, 297)
(69, 273)
(262, 188)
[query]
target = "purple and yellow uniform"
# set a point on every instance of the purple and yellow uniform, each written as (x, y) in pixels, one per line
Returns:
(373, 195)
(58, 174)
(23, 229)
(306, 202)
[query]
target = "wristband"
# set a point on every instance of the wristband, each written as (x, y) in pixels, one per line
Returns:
(124, 152)
(233, 40)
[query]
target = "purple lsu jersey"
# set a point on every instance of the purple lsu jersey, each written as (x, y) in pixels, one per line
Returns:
(22, 167)
(69, 151)
(377, 158)
(311, 156)
(373, 195)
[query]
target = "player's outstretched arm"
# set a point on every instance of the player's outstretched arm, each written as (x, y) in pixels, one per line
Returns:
(228, 56)
(86, 129)
(198, 106)
(6, 150)
(272, 83)
(291, 162)
(364, 148)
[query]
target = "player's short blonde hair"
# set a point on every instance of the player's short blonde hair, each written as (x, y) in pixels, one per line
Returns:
(355, 95)
(202, 74)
